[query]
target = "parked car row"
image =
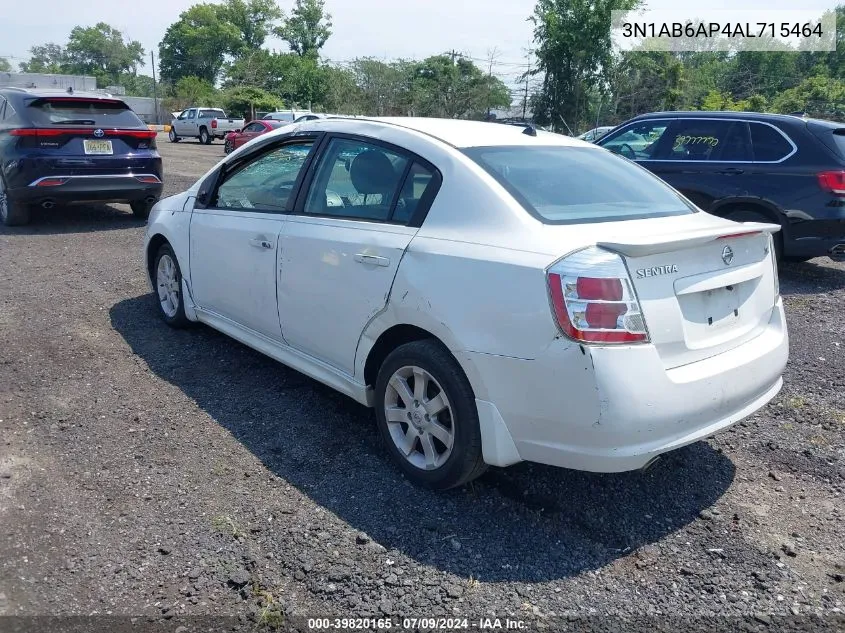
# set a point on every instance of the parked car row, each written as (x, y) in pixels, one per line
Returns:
(342, 248)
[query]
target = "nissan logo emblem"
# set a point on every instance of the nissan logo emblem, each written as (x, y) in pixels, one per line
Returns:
(727, 255)
(99, 133)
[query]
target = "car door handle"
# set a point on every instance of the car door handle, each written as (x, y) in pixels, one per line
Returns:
(259, 243)
(731, 171)
(363, 258)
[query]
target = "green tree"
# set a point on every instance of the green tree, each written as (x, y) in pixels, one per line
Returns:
(47, 58)
(255, 19)
(137, 85)
(717, 100)
(457, 89)
(102, 51)
(192, 91)
(307, 28)
(818, 96)
(573, 56)
(641, 81)
(247, 100)
(5, 66)
(196, 45)
(342, 94)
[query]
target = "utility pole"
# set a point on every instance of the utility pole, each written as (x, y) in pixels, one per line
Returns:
(493, 54)
(525, 101)
(155, 89)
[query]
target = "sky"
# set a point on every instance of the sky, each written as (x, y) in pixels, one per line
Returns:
(387, 29)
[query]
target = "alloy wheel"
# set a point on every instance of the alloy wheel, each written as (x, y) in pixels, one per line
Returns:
(419, 417)
(167, 283)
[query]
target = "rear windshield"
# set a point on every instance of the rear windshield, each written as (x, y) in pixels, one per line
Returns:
(562, 185)
(212, 114)
(64, 111)
(280, 116)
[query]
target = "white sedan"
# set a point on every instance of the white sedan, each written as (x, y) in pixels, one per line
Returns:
(497, 294)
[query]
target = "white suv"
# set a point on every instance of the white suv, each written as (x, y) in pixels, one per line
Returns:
(497, 294)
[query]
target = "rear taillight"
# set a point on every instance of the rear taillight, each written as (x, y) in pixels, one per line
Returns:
(832, 181)
(593, 299)
(213, 123)
(39, 132)
(773, 255)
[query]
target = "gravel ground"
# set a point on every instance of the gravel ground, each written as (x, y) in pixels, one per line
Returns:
(161, 474)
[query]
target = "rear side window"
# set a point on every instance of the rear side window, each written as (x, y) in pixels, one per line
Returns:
(567, 185)
(66, 111)
(212, 114)
(769, 144)
(708, 140)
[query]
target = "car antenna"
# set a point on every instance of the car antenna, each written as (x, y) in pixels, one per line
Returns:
(530, 130)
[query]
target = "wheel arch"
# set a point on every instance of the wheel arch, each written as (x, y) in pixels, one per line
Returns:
(155, 243)
(382, 337)
(765, 208)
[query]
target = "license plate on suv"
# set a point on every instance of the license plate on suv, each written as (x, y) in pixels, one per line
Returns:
(98, 147)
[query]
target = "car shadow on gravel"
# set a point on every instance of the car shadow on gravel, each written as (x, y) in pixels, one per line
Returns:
(76, 219)
(809, 278)
(527, 523)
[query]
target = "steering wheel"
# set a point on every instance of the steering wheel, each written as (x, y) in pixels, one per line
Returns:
(627, 151)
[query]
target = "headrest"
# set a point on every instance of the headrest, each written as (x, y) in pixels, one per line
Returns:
(372, 172)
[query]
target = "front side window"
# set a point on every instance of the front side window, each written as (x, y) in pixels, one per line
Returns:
(636, 142)
(192, 114)
(356, 180)
(566, 185)
(769, 144)
(265, 183)
(253, 127)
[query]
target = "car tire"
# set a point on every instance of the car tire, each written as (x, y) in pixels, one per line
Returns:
(167, 281)
(141, 209)
(228, 147)
(172, 136)
(750, 215)
(205, 137)
(12, 212)
(435, 439)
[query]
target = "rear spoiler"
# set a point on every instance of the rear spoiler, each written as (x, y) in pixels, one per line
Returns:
(654, 245)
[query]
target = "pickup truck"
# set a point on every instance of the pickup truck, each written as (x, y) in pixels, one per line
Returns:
(206, 124)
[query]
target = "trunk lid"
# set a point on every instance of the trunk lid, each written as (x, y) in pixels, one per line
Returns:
(703, 291)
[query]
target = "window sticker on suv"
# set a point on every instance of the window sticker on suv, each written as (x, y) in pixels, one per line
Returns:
(682, 140)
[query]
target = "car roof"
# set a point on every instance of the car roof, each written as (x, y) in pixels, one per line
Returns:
(462, 133)
(720, 114)
(55, 92)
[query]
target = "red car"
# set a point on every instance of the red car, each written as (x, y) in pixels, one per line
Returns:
(234, 140)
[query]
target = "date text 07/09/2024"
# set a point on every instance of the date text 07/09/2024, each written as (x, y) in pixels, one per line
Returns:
(416, 624)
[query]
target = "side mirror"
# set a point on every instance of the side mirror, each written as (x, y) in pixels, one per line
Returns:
(206, 189)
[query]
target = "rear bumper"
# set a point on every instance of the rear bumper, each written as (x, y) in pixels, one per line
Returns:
(88, 188)
(815, 247)
(814, 237)
(616, 409)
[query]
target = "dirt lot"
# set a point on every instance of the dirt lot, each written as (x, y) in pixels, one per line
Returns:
(150, 472)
